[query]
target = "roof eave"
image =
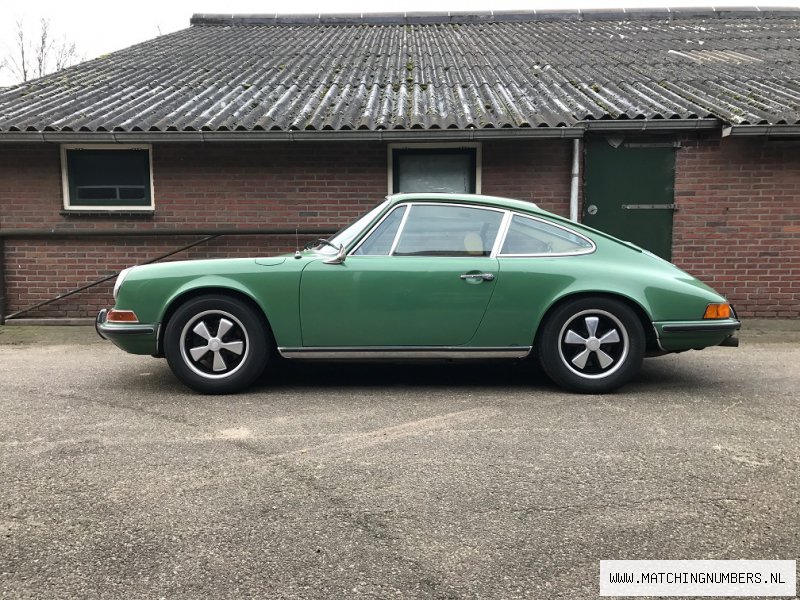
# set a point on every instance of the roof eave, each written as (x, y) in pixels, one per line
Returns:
(394, 135)
(762, 131)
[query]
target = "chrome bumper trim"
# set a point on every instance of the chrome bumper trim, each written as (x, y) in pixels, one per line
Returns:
(102, 329)
(98, 322)
(700, 327)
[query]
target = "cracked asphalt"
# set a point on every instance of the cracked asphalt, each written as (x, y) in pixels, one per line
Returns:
(379, 481)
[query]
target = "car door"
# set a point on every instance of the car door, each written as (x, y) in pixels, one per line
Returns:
(422, 277)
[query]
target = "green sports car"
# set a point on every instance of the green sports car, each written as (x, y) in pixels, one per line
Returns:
(424, 276)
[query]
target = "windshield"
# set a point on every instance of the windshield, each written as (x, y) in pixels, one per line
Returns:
(349, 233)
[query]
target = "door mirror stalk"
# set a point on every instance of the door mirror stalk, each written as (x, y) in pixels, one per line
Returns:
(339, 258)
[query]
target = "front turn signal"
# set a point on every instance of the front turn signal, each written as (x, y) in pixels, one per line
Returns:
(122, 316)
(718, 311)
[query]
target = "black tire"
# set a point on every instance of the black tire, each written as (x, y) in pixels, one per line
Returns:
(591, 345)
(231, 361)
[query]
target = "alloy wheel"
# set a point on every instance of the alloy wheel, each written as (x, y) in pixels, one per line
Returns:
(593, 344)
(214, 344)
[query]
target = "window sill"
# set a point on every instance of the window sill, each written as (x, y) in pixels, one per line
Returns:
(140, 214)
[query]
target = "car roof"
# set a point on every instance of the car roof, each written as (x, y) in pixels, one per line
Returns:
(495, 201)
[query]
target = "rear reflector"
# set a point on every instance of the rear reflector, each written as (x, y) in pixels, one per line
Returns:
(718, 311)
(122, 316)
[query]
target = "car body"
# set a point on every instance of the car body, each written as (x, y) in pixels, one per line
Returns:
(424, 276)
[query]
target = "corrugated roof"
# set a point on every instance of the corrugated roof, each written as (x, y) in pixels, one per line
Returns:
(391, 72)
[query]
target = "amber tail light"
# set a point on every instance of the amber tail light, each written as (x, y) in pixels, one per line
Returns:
(122, 316)
(718, 311)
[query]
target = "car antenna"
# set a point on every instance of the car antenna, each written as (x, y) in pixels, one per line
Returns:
(297, 243)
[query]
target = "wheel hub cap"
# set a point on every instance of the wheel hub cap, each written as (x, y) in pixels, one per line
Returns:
(593, 344)
(217, 354)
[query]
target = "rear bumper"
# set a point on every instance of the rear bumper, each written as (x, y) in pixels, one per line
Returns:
(694, 335)
(136, 338)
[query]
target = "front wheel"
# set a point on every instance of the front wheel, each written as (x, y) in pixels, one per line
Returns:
(592, 345)
(216, 344)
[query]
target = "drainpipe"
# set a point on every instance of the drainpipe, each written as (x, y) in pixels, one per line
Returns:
(2, 282)
(573, 190)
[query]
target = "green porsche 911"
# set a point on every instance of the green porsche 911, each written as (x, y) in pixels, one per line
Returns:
(424, 276)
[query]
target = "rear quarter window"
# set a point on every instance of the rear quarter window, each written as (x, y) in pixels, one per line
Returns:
(527, 236)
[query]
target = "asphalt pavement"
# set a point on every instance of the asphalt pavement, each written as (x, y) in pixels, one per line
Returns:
(385, 481)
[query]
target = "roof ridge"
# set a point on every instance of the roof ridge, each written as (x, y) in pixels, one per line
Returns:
(421, 18)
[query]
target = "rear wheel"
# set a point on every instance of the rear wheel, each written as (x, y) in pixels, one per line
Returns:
(216, 344)
(592, 345)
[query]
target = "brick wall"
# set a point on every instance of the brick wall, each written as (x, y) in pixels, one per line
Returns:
(538, 171)
(220, 185)
(738, 226)
(738, 223)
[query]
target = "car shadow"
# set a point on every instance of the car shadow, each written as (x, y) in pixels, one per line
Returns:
(287, 374)
(664, 374)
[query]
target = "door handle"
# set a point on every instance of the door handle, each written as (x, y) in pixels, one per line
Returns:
(483, 276)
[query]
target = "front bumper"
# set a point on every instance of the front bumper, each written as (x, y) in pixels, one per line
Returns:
(136, 338)
(675, 336)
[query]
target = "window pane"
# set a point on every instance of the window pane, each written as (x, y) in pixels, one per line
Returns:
(380, 241)
(529, 236)
(450, 171)
(132, 192)
(95, 192)
(108, 178)
(448, 231)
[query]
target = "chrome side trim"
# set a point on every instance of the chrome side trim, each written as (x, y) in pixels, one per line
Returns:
(408, 206)
(402, 352)
(502, 233)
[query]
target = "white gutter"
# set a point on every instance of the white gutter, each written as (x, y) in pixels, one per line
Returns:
(573, 189)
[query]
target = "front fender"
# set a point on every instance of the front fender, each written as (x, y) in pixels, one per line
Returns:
(207, 284)
(154, 293)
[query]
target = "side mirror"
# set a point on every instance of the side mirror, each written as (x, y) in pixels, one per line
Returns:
(339, 258)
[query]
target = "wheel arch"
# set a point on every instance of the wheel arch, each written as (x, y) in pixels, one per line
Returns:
(185, 296)
(647, 323)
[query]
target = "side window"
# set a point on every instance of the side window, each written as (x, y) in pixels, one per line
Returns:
(530, 236)
(107, 179)
(379, 242)
(435, 230)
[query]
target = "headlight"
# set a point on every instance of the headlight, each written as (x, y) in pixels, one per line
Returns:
(120, 278)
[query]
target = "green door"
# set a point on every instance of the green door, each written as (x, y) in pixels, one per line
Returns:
(423, 277)
(630, 192)
(394, 301)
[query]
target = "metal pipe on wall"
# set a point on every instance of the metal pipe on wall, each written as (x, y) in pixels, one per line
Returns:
(24, 233)
(576, 172)
(2, 282)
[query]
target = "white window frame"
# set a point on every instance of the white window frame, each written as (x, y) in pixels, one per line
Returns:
(442, 146)
(104, 209)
